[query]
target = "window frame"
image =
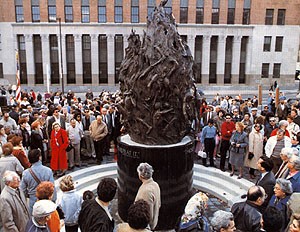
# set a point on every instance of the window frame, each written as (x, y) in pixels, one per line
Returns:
(278, 43)
(276, 70)
(267, 46)
(19, 17)
(67, 14)
(265, 69)
(118, 14)
(269, 18)
(281, 17)
(184, 15)
(36, 18)
(101, 15)
(135, 16)
(215, 15)
(51, 18)
(85, 15)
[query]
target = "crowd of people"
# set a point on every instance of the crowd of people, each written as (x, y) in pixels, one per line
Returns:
(41, 137)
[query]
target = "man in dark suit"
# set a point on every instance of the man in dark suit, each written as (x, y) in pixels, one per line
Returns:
(282, 109)
(107, 119)
(208, 114)
(267, 178)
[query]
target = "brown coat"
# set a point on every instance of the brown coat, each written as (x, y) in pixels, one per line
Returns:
(98, 131)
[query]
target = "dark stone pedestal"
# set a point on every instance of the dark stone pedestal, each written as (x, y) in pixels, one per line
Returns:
(173, 171)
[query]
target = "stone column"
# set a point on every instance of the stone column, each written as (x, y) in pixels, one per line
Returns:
(236, 57)
(205, 59)
(46, 56)
(191, 43)
(62, 60)
(249, 60)
(78, 59)
(125, 42)
(29, 59)
(111, 59)
(221, 59)
(95, 59)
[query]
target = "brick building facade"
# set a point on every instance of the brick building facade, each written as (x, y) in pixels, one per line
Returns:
(244, 42)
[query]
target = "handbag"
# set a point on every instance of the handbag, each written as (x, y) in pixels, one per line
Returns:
(69, 147)
(202, 154)
(250, 155)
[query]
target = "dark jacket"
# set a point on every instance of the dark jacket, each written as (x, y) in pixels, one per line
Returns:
(93, 218)
(246, 216)
(268, 183)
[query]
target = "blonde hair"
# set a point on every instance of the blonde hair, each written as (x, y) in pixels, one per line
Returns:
(66, 184)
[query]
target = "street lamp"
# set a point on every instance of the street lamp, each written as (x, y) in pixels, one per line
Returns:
(61, 58)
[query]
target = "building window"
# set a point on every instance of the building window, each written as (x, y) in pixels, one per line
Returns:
(184, 11)
(135, 11)
(276, 70)
(38, 61)
(246, 12)
(265, 70)
(54, 59)
(22, 59)
(183, 14)
(150, 8)
(52, 13)
(267, 43)
(103, 76)
(119, 53)
(85, 14)
(68, 14)
(199, 15)
(35, 14)
(102, 14)
(231, 12)
(118, 11)
(278, 44)
(19, 14)
(1, 71)
(86, 59)
(269, 16)
(118, 14)
(215, 12)
(213, 60)
(70, 55)
(102, 11)
(281, 17)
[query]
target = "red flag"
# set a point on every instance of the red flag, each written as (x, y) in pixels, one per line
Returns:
(18, 90)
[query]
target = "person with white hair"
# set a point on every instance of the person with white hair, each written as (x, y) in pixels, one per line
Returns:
(294, 172)
(222, 221)
(285, 155)
(283, 124)
(41, 213)
(282, 193)
(13, 206)
(149, 191)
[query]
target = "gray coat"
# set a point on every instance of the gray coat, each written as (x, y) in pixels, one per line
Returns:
(14, 210)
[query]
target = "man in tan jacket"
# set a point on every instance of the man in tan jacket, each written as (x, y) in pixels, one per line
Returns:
(98, 131)
(149, 191)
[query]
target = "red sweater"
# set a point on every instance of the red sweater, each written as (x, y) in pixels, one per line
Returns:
(226, 130)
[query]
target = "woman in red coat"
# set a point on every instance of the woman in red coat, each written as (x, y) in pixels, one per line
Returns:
(59, 143)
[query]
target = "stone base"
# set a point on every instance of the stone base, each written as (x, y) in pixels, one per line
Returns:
(173, 171)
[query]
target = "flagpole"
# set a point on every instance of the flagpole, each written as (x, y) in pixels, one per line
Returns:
(18, 90)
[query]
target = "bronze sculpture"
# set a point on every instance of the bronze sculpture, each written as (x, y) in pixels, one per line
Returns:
(157, 83)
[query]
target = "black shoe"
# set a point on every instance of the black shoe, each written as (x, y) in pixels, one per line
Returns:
(223, 169)
(70, 168)
(77, 165)
(61, 174)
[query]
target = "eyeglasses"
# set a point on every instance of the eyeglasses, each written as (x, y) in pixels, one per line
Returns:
(272, 120)
(228, 118)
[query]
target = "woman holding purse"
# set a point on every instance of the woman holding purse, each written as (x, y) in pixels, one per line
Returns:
(59, 142)
(238, 144)
(256, 140)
